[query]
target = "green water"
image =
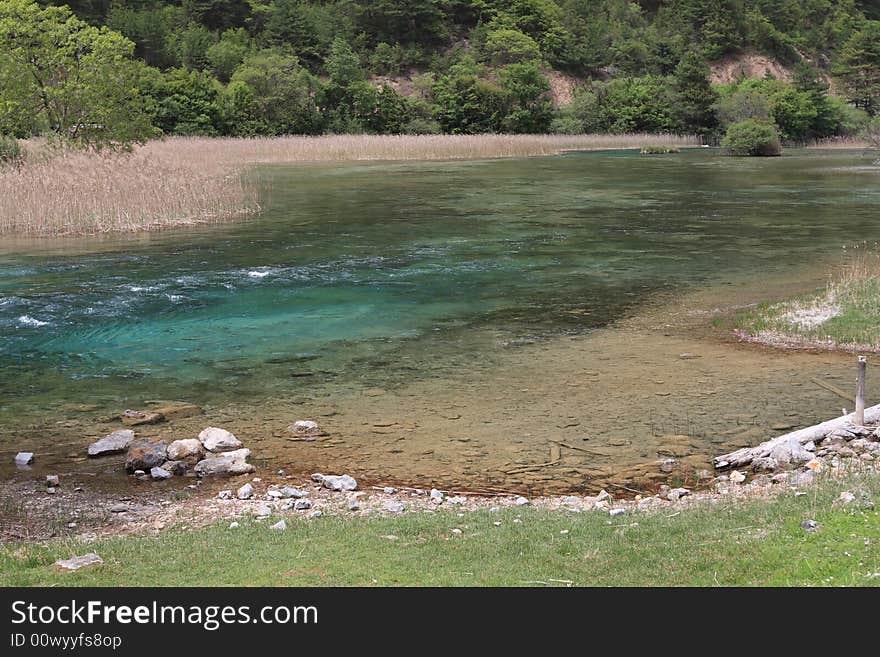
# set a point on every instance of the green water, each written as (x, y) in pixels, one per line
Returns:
(378, 274)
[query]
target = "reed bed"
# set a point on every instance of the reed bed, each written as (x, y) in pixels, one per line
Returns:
(194, 180)
(841, 143)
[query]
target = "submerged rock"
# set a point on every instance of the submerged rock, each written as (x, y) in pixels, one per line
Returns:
(145, 455)
(226, 464)
(178, 468)
(113, 443)
(219, 440)
(173, 410)
(24, 458)
(136, 418)
(305, 429)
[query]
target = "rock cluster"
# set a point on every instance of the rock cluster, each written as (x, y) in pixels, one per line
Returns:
(216, 452)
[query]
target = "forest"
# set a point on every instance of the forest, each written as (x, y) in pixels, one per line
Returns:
(105, 72)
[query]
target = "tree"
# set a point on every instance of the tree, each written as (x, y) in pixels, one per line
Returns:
(77, 79)
(694, 97)
(272, 94)
(227, 54)
(858, 67)
(528, 90)
(508, 46)
(218, 14)
(752, 137)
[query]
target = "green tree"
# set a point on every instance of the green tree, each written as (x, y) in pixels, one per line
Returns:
(77, 79)
(528, 90)
(752, 137)
(184, 102)
(218, 14)
(271, 94)
(227, 54)
(858, 67)
(693, 96)
(509, 46)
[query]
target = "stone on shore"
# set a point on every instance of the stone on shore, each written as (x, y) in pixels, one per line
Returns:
(338, 482)
(246, 492)
(52, 481)
(219, 440)
(75, 563)
(436, 496)
(113, 443)
(279, 526)
(159, 474)
(290, 491)
(791, 453)
(136, 418)
(302, 505)
(145, 455)
(227, 464)
(178, 468)
(188, 449)
(24, 458)
(395, 507)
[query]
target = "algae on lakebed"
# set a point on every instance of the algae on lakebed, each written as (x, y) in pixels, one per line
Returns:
(475, 309)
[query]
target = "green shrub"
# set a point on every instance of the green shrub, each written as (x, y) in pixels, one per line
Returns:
(10, 151)
(752, 137)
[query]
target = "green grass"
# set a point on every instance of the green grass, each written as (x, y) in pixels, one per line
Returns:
(755, 543)
(659, 150)
(854, 306)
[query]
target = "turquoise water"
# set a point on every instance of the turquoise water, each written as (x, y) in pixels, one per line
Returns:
(352, 265)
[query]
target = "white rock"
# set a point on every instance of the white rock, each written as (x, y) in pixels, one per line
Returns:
(846, 498)
(273, 494)
(225, 464)
(53, 480)
(456, 499)
(603, 496)
(263, 511)
(737, 477)
(246, 492)
(113, 443)
(338, 482)
(188, 448)
(305, 428)
(395, 507)
(436, 496)
(233, 525)
(388, 490)
(279, 526)
(456, 531)
(218, 440)
(290, 491)
(75, 563)
(616, 512)
(520, 501)
(159, 474)
(315, 514)
(676, 494)
(302, 505)
(24, 458)
(353, 505)
(224, 495)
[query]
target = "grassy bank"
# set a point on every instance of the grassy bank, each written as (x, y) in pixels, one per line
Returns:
(845, 314)
(760, 542)
(190, 180)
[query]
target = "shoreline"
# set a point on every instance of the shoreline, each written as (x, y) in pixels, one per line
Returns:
(180, 182)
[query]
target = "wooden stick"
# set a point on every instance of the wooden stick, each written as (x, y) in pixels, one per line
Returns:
(837, 391)
(860, 392)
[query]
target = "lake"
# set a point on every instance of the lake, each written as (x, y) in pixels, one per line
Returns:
(504, 324)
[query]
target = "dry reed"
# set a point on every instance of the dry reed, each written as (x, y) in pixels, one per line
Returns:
(190, 180)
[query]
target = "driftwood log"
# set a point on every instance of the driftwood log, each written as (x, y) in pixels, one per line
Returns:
(746, 455)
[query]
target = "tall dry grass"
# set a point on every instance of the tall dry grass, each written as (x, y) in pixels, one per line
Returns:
(188, 180)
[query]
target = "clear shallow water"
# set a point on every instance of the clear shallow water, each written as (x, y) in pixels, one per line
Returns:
(376, 275)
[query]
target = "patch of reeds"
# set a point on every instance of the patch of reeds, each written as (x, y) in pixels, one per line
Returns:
(192, 180)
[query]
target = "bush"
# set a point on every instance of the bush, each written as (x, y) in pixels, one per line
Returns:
(752, 137)
(10, 151)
